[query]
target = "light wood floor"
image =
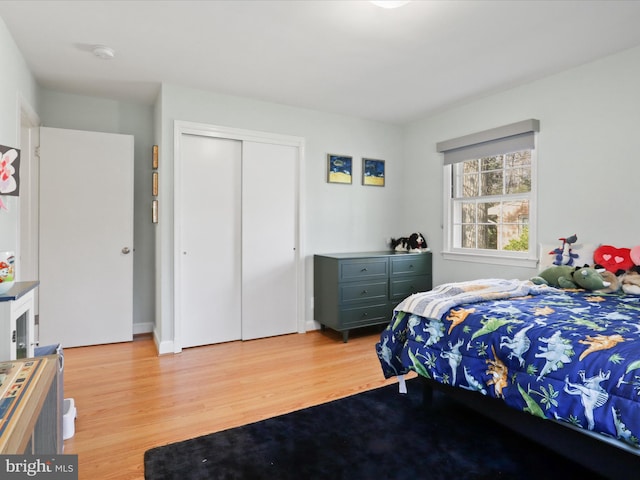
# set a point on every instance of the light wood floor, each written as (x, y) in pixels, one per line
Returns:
(129, 399)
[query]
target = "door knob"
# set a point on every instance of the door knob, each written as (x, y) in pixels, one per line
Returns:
(126, 250)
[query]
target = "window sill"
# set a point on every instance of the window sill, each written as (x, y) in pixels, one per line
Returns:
(491, 259)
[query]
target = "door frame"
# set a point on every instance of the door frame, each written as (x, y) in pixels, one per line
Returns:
(28, 244)
(28, 229)
(217, 131)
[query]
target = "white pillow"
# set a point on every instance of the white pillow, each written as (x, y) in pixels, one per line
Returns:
(583, 250)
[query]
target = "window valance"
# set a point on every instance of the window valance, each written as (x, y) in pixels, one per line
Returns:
(508, 138)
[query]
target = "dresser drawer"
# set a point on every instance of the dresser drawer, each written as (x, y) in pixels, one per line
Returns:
(363, 291)
(405, 286)
(365, 269)
(418, 264)
(364, 316)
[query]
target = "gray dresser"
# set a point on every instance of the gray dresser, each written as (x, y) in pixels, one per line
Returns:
(353, 290)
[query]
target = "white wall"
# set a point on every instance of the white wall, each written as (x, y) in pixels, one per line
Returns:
(589, 160)
(336, 218)
(78, 112)
(16, 85)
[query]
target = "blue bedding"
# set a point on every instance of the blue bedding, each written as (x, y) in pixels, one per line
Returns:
(572, 356)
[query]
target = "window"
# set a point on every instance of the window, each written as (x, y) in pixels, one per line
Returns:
(490, 195)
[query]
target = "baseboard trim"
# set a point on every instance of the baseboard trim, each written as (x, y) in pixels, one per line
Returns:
(163, 348)
(142, 327)
(311, 325)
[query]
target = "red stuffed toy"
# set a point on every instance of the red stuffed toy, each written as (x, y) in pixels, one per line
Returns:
(612, 258)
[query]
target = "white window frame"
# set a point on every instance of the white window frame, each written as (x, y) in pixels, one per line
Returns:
(528, 258)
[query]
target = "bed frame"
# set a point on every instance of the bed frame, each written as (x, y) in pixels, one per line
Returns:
(607, 457)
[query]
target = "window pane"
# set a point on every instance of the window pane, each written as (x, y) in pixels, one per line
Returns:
(470, 166)
(515, 238)
(468, 236)
(468, 212)
(491, 183)
(488, 237)
(518, 180)
(518, 159)
(470, 185)
(491, 163)
(515, 230)
(516, 211)
(488, 212)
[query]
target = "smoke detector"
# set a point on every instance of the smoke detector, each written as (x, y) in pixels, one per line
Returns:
(103, 52)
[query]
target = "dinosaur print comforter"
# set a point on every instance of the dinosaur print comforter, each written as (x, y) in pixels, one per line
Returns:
(572, 356)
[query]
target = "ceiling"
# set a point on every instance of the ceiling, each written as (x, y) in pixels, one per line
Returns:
(345, 57)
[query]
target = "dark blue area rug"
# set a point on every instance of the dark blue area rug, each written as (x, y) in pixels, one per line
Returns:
(379, 434)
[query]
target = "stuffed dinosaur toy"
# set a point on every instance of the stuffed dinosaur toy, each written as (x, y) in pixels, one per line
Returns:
(565, 276)
(614, 280)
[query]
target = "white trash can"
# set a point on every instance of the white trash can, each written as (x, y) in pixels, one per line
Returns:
(69, 419)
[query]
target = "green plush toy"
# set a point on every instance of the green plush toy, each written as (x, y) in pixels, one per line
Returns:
(565, 276)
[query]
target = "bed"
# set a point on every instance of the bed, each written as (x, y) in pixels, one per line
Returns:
(528, 354)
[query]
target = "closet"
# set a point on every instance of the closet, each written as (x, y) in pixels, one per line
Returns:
(236, 233)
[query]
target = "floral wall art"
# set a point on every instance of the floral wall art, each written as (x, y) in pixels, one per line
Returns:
(9, 173)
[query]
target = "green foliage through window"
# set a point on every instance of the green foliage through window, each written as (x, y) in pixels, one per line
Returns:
(521, 243)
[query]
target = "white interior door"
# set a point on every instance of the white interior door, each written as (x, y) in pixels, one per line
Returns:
(86, 237)
(210, 236)
(269, 298)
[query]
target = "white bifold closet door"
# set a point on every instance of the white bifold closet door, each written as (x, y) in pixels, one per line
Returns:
(237, 266)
